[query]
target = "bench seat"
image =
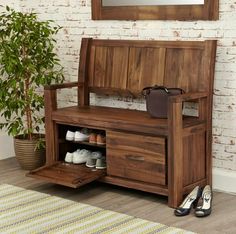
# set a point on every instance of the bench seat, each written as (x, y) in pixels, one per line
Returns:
(118, 119)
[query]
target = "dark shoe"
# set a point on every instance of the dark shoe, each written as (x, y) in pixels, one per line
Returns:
(205, 208)
(101, 163)
(189, 202)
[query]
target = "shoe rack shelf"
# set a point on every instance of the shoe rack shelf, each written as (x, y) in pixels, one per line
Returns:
(60, 141)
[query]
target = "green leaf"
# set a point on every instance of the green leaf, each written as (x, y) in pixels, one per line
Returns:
(27, 62)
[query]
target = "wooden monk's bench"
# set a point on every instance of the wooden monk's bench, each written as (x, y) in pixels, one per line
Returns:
(163, 156)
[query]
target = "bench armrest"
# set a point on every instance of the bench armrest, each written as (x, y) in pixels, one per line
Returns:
(188, 97)
(62, 86)
(175, 106)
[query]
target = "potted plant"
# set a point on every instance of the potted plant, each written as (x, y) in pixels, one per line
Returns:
(27, 63)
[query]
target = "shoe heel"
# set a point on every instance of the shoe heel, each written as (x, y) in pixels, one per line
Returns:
(195, 203)
(205, 208)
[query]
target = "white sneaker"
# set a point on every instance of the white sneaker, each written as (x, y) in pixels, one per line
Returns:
(69, 157)
(70, 136)
(82, 135)
(81, 156)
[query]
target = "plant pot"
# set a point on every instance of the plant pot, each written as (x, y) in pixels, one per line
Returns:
(27, 155)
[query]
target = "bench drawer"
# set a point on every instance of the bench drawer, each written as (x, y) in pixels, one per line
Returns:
(136, 157)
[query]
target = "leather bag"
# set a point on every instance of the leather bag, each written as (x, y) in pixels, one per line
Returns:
(157, 99)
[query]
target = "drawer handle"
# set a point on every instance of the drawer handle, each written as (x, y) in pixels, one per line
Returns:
(135, 158)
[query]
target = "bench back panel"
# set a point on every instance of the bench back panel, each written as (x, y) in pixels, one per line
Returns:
(121, 65)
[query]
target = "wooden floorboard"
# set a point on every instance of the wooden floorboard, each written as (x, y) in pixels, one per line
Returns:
(140, 204)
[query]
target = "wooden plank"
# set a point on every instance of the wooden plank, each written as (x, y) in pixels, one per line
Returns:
(209, 68)
(120, 119)
(91, 73)
(62, 86)
(83, 94)
(152, 147)
(183, 70)
(100, 66)
(117, 67)
(189, 97)
(175, 155)
(50, 102)
(67, 174)
(191, 130)
(199, 45)
(141, 72)
(152, 188)
(109, 69)
(191, 74)
(136, 165)
(194, 158)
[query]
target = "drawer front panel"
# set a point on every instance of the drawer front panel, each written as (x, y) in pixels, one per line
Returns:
(136, 157)
(150, 146)
(132, 165)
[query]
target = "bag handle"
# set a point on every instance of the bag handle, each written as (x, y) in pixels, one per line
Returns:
(147, 90)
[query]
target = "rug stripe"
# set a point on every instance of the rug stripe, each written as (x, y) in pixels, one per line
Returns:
(24, 211)
(99, 224)
(45, 220)
(86, 223)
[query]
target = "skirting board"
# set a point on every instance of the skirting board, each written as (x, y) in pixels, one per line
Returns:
(6, 147)
(224, 180)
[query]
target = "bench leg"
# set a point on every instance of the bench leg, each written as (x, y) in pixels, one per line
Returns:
(50, 129)
(175, 154)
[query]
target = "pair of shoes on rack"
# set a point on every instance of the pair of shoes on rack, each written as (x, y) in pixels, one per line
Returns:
(98, 139)
(82, 135)
(78, 157)
(192, 199)
(96, 160)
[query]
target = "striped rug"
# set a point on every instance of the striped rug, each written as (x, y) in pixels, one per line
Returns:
(25, 211)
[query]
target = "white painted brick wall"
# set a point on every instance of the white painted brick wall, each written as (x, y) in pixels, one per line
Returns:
(75, 18)
(11, 3)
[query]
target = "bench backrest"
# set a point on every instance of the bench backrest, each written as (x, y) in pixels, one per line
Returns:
(127, 66)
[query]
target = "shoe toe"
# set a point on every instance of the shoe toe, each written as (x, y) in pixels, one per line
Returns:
(91, 162)
(181, 212)
(101, 163)
(69, 157)
(199, 213)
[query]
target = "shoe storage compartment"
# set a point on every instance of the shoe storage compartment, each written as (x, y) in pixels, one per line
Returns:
(69, 174)
(136, 157)
(65, 146)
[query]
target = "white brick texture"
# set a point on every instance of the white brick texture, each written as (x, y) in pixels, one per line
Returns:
(75, 18)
